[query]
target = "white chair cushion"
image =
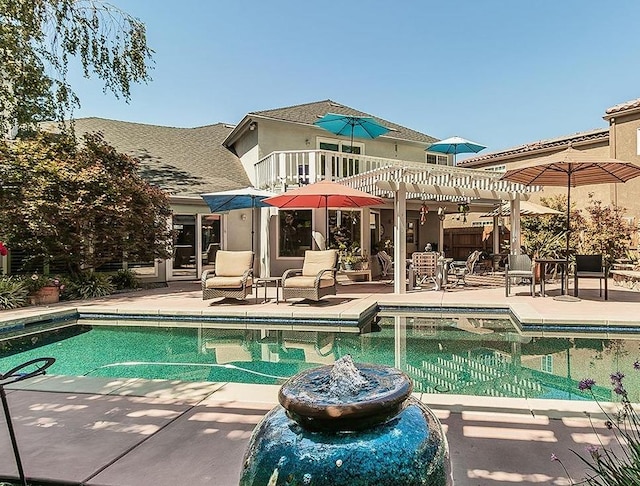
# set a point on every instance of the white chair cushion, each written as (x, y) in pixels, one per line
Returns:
(307, 282)
(232, 263)
(317, 260)
(226, 282)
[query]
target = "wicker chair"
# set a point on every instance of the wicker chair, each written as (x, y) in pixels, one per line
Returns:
(315, 279)
(232, 276)
(591, 266)
(520, 267)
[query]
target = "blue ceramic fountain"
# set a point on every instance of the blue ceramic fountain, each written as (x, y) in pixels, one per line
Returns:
(348, 424)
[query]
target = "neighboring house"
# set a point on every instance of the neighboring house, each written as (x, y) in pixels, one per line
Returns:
(621, 140)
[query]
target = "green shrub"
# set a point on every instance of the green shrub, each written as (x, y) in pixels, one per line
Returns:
(89, 286)
(13, 293)
(125, 279)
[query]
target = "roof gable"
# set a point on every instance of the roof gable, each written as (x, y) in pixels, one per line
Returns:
(308, 113)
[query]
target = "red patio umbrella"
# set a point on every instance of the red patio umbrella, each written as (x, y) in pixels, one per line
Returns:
(323, 194)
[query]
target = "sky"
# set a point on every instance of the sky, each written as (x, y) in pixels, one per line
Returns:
(498, 72)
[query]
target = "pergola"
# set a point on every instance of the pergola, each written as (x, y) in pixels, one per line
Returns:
(440, 184)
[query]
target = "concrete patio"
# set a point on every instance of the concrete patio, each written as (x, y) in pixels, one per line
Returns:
(93, 431)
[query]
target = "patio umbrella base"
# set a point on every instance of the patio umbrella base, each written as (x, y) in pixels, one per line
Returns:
(567, 298)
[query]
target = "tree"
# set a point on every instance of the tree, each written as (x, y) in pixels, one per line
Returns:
(605, 231)
(545, 236)
(39, 39)
(83, 205)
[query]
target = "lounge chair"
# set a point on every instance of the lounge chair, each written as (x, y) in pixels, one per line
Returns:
(386, 263)
(425, 266)
(591, 266)
(519, 266)
(315, 279)
(232, 276)
(460, 269)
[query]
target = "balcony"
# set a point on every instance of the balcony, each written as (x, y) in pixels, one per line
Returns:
(307, 166)
(377, 175)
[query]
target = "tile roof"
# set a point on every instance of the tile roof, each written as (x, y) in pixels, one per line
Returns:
(560, 142)
(310, 112)
(183, 161)
(628, 105)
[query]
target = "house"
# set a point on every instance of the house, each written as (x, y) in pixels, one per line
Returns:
(621, 140)
(280, 148)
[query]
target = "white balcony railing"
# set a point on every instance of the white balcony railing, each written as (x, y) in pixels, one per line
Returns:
(308, 166)
(364, 172)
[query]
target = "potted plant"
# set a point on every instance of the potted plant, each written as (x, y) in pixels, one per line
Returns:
(349, 256)
(44, 289)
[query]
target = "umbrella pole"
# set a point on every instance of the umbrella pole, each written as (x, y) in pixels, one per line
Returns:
(568, 210)
(326, 217)
(253, 210)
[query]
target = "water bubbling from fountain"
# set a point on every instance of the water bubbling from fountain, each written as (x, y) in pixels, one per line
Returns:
(345, 378)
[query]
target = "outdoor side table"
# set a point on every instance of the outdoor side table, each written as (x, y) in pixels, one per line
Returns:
(265, 281)
(562, 263)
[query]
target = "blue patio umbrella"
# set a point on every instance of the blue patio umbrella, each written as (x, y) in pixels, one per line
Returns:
(246, 198)
(455, 145)
(351, 126)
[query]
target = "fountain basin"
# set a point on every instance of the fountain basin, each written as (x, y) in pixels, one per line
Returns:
(348, 424)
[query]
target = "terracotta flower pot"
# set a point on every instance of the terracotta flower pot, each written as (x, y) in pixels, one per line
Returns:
(46, 295)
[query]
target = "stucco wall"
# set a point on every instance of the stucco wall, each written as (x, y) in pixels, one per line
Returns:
(275, 136)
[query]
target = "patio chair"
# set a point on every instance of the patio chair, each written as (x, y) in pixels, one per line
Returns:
(386, 263)
(232, 276)
(521, 267)
(591, 266)
(425, 266)
(315, 279)
(460, 269)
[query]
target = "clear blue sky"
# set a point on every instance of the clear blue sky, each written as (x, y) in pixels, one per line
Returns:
(498, 72)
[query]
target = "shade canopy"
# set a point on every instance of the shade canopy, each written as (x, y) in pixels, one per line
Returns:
(248, 197)
(324, 194)
(455, 145)
(351, 126)
(526, 209)
(573, 168)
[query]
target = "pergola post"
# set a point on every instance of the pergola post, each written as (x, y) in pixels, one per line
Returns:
(514, 219)
(400, 239)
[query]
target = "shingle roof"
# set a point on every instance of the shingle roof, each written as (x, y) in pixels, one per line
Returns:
(590, 136)
(627, 105)
(310, 112)
(183, 161)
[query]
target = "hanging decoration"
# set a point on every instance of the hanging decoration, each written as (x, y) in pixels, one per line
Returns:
(463, 209)
(424, 210)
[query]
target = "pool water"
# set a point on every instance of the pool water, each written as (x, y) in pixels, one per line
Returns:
(481, 355)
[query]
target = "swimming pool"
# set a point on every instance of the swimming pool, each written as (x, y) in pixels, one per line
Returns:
(464, 353)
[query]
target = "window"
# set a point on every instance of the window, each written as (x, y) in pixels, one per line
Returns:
(411, 232)
(547, 363)
(437, 159)
(340, 166)
(294, 233)
(345, 228)
(497, 168)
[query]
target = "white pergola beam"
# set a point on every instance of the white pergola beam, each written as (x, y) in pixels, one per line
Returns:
(470, 192)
